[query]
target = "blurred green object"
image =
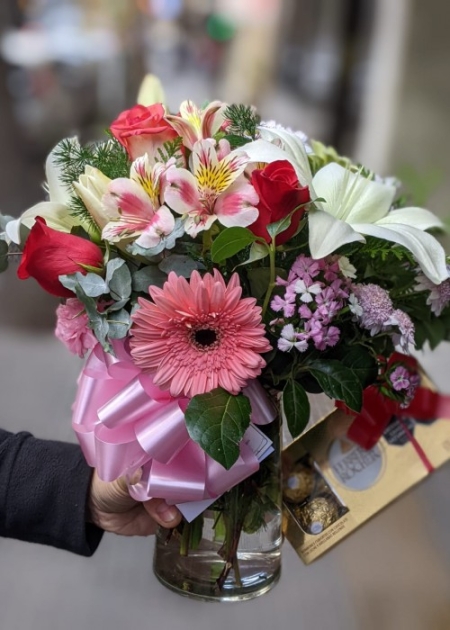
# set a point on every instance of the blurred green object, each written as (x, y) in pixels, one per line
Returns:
(220, 28)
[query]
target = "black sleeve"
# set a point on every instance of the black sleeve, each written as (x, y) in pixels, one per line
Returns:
(44, 487)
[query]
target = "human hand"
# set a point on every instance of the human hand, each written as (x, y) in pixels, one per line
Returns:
(113, 510)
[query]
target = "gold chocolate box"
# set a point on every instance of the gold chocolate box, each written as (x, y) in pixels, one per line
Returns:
(332, 486)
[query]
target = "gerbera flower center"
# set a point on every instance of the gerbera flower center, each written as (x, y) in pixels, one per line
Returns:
(204, 338)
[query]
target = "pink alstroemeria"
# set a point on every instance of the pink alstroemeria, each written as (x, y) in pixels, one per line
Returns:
(213, 190)
(194, 124)
(135, 208)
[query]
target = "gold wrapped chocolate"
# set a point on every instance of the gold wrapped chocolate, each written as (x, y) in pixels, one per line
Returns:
(317, 514)
(299, 484)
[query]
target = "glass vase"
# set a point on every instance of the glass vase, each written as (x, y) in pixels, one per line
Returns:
(232, 551)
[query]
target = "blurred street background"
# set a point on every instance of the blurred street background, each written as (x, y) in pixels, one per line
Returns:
(367, 76)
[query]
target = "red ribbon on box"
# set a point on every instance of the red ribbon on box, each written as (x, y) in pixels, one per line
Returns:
(377, 410)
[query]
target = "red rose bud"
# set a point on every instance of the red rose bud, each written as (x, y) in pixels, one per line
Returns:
(279, 194)
(48, 254)
(142, 129)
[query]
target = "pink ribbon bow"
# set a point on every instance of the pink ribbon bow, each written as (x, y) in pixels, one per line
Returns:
(124, 422)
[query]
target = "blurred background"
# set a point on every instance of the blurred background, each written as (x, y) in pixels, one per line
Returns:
(369, 77)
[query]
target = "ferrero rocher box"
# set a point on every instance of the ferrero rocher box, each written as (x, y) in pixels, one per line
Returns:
(331, 486)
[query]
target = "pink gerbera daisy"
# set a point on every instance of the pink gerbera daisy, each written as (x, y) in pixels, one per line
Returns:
(199, 335)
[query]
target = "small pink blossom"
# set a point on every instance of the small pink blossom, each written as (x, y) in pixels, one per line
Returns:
(72, 327)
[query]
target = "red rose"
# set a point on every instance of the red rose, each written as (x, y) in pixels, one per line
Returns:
(48, 254)
(279, 193)
(141, 129)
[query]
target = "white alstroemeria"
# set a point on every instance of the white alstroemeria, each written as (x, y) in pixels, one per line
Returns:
(55, 211)
(91, 187)
(355, 206)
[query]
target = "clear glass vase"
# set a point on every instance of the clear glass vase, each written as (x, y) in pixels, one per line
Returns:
(232, 551)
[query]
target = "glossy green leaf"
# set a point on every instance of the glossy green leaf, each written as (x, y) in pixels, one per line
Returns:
(229, 242)
(217, 421)
(338, 381)
(296, 407)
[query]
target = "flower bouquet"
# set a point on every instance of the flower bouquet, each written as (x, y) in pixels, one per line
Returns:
(218, 270)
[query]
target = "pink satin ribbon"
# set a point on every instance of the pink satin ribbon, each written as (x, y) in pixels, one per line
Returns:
(124, 422)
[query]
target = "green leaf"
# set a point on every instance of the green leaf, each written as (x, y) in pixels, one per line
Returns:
(236, 141)
(279, 226)
(119, 324)
(258, 251)
(92, 284)
(118, 277)
(146, 276)
(259, 279)
(362, 363)
(181, 265)
(296, 407)
(4, 248)
(217, 421)
(338, 381)
(229, 242)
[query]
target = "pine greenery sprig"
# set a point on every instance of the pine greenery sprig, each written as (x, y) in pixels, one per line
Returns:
(171, 149)
(109, 157)
(72, 158)
(244, 120)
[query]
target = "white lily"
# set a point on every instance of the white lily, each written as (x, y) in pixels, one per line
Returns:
(355, 206)
(56, 211)
(151, 91)
(91, 187)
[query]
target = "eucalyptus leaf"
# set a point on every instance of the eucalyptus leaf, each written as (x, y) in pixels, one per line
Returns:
(119, 324)
(338, 381)
(217, 421)
(296, 407)
(116, 306)
(119, 280)
(147, 276)
(92, 284)
(4, 220)
(229, 242)
(181, 265)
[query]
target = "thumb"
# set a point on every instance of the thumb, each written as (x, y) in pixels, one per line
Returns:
(164, 514)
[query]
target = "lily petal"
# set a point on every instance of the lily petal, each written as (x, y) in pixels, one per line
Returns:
(294, 147)
(417, 217)
(56, 216)
(151, 91)
(263, 151)
(428, 252)
(327, 234)
(352, 197)
(56, 190)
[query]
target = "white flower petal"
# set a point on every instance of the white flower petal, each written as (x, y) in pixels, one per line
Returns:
(352, 197)
(263, 151)
(150, 91)
(294, 147)
(327, 234)
(416, 217)
(56, 216)
(56, 190)
(426, 249)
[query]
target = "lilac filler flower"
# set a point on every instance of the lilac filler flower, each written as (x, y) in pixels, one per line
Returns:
(400, 378)
(376, 307)
(439, 295)
(405, 337)
(290, 339)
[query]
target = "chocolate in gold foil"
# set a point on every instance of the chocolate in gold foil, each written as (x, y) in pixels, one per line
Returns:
(299, 484)
(318, 514)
